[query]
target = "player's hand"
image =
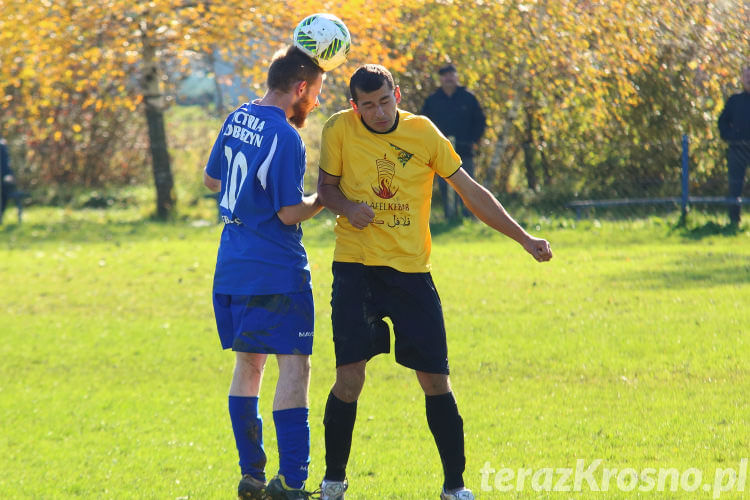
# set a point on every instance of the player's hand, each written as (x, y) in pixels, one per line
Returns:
(539, 249)
(360, 215)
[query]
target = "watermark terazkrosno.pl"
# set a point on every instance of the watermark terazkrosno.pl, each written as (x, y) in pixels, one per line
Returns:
(594, 476)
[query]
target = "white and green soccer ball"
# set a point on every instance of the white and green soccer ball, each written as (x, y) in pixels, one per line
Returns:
(325, 38)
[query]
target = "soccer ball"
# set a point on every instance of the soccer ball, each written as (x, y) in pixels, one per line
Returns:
(325, 38)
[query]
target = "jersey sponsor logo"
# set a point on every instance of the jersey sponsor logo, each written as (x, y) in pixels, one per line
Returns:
(386, 205)
(234, 220)
(305, 334)
(403, 155)
(386, 170)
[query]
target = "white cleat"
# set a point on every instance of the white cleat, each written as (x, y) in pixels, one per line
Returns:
(459, 494)
(333, 490)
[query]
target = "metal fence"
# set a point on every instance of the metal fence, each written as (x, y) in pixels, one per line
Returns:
(738, 159)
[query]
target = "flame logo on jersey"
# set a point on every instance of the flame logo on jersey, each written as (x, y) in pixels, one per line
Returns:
(386, 171)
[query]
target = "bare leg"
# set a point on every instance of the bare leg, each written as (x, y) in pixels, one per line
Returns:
(434, 384)
(248, 374)
(294, 382)
(350, 379)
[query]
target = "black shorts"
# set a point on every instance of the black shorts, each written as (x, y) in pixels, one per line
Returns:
(362, 296)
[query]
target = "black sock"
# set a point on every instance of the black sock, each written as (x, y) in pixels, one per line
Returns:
(447, 428)
(339, 425)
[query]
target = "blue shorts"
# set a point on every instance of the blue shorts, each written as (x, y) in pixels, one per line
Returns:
(361, 296)
(266, 324)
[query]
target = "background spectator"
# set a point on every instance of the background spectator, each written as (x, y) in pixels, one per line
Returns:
(734, 126)
(458, 115)
(6, 177)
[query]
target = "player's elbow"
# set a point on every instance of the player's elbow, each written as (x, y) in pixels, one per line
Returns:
(322, 195)
(288, 216)
(320, 187)
(327, 194)
(211, 183)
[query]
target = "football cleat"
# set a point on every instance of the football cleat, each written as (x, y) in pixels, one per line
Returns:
(277, 489)
(459, 494)
(333, 490)
(251, 488)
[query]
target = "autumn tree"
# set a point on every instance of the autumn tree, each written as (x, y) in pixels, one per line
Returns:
(72, 69)
(582, 97)
(579, 94)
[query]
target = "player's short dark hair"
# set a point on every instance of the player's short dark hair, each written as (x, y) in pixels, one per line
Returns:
(290, 66)
(369, 78)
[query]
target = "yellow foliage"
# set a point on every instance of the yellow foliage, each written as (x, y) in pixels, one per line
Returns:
(568, 66)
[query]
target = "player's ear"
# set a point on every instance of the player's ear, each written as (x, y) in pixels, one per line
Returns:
(397, 94)
(354, 105)
(300, 88)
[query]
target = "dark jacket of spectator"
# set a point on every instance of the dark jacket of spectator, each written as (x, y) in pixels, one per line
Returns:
(734, 121)
(4, 160)
(458, 115)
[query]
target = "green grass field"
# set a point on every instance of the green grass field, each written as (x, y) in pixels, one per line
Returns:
(631, 346)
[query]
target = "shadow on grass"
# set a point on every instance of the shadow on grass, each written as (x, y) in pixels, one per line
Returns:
(707, 230)
(690, 271)
(444, 226)
(103, 227)
(99, 230)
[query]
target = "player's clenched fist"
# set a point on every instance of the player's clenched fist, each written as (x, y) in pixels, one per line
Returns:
(360, 215)
(539, 248)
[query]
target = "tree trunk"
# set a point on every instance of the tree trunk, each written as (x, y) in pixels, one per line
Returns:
(165, 199)
(528, 154)
(504, 139)
(153, 97)
(218, 92)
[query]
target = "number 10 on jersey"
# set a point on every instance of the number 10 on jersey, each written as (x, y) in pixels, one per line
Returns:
(236, 175)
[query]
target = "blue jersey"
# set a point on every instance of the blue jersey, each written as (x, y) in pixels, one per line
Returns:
(260, 159)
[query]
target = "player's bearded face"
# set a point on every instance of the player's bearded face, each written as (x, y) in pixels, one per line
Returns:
(302, 108)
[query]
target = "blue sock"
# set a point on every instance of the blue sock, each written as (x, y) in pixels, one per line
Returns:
(248, 434)
(293, 437)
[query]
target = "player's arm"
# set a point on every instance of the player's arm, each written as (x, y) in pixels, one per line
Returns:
(490, 211)
(329, 192)
(294, 214)
(211, 183)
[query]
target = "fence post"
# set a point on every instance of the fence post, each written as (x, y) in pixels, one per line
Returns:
(685, 175)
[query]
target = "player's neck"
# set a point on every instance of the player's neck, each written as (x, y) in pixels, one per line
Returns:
(280, 100)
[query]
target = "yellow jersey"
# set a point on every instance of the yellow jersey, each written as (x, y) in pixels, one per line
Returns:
(392, 172)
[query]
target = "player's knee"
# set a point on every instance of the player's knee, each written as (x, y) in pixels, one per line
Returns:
(250, 363)
(295, 366)
(303, 367)
(434, 384)
(350, 379)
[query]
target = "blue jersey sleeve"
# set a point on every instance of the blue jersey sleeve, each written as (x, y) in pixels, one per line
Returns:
(213, 166)
(286, 175)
